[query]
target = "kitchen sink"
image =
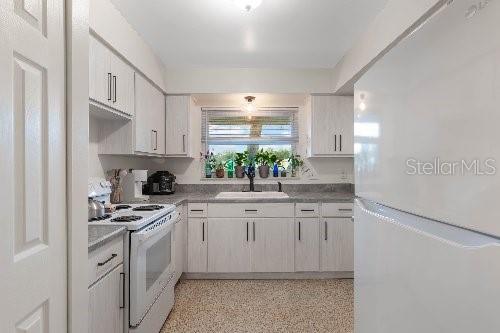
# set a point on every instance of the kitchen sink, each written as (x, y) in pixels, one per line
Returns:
(251, 195)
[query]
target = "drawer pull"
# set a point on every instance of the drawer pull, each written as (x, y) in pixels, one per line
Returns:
(113, 256)
(345, 209)
(251, 210)
(307, 210)
(197, 210)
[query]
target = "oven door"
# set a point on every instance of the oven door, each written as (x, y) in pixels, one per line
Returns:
(151, 265)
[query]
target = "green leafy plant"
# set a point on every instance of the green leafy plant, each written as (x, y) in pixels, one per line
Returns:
(241, 158)
(265, 157)
(295, 161)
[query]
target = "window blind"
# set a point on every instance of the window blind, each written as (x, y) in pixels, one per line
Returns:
(264, 127)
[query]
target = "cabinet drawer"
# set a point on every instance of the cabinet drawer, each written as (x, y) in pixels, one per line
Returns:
(104, 259)
(306, 209)
(197, 209)
(344, 209)
(251, 210)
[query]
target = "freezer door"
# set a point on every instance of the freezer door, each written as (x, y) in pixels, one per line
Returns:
(426, 134)
(416, 275)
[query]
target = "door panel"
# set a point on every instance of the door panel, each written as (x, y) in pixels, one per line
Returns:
(99, 72)
(323, 131)
(158, 120)
(105, 299)
(177, 124)
(337, 249)
(144, 135)
(344, 124)
(32, 143)
(229, 247)
(123, 86)
(272, 247)
(197, 245)
(307, 245)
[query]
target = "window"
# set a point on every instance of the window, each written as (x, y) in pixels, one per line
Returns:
(225, 132)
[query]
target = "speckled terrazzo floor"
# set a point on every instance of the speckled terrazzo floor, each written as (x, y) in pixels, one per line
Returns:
(262, 306)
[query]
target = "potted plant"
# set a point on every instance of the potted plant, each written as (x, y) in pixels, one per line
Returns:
(209, 163)
(262, 158)
(240, 160)
(220, 167)
(295, 162)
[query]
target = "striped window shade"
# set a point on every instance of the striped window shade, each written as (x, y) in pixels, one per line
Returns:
(264, 127)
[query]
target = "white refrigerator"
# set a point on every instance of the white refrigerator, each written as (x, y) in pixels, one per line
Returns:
(427, 174)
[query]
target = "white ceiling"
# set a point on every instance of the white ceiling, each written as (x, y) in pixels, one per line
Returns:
(278, 34)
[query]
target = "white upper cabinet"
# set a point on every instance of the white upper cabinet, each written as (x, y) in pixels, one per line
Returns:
(177, 125)
(111, 80)
(149, 118)
(332, 126)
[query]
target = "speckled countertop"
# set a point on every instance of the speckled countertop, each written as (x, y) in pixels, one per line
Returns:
(180, 198)
(102, 234)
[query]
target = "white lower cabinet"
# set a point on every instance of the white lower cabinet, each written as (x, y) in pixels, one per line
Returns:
(337, 244)
(197, 245)
(230, 245)
(272, 245)
(106, 301)
(307, 244)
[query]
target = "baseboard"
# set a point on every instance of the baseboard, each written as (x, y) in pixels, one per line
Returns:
(269, 276)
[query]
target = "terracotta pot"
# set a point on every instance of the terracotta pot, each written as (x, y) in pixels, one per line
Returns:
(264, 171)
(219, 173)
(239, 171)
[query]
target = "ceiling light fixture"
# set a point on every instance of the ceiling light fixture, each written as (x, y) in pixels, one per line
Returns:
(247, 5)
(249, 106)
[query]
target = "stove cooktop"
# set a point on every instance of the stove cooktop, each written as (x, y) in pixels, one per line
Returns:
(134, 216)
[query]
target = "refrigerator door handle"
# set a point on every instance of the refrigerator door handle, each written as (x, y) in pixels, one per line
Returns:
(446, 233)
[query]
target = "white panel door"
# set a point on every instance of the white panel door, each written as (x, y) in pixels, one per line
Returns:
(307, 244)
(229, 246)
(177, 125)
(344, 125)
(337, 245)
(322, 122)
(158, 120)
(106, 302)
(272, 245)
(100, 76)
(197, 245)
(123, 85)
(144, 133)
(33, 251)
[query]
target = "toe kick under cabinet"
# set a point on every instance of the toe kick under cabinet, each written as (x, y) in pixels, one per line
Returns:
(270, 238)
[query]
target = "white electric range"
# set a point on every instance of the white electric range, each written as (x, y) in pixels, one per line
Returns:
(149, 255)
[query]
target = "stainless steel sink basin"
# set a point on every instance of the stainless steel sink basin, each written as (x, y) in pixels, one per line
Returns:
(251, 195)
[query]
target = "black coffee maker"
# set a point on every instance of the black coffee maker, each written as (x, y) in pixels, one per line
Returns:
(160, 183)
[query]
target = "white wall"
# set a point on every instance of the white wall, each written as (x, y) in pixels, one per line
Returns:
(107, 22)
(395, 21)
(257, 80)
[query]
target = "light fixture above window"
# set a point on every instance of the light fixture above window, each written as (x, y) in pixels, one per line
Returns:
(249, 106)
(247, 5)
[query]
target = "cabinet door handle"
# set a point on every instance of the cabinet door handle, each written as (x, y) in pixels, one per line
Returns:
(153, 135)
(340, 142)
(251, 210)
(113, 256)
(247, 231)
(114, 88)
(326, 230)
(156, 140)
(184, 143)
(307, 210)
(203, 232)
(253, 231)
(335, 143)
(345, 209)
(109, 86)
(299, 230)
(122, 294)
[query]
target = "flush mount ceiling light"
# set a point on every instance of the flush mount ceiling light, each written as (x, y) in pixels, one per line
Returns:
(249, 106)
(247, 5)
